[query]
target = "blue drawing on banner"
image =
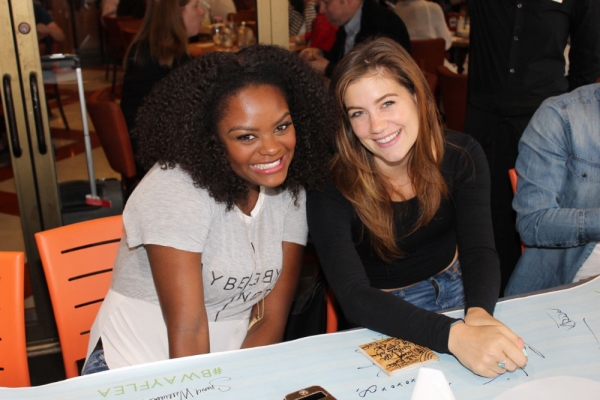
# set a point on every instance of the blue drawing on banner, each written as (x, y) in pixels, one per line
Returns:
(595, 337)
(561, 319)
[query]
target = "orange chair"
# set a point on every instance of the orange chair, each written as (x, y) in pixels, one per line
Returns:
(129, 29)
(241, 16)
(111, 129)
(512, 174)
(453, 95)
(331, 325)
(429, 55)
(14, 369)
(78, 261)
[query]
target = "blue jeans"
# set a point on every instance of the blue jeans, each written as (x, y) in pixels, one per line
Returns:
(95, 362)
(440, 292)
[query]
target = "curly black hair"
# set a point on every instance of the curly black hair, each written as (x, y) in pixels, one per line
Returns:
(177, 124)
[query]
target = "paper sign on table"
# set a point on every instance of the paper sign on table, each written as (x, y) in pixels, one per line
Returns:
(393, 355)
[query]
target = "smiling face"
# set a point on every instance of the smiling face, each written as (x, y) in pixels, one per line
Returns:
(192, 14)
(384, 117)
(258, 135)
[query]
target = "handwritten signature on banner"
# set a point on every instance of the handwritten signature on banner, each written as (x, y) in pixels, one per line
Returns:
(216, 382)
(401, 383)
(562, 320)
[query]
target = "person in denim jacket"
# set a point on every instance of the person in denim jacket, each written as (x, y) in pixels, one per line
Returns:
(558, 195)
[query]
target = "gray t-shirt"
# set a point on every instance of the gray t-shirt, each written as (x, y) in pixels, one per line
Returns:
(167, 209)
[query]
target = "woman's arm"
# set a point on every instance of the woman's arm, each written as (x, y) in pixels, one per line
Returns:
(277, 304)
(330, 218)
(470, 190)
(177, 276)
(483, 341)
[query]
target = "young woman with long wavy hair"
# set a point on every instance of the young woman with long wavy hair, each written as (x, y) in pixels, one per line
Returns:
(404, 228)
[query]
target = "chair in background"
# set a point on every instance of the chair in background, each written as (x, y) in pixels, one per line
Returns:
(514, 177)
(429, 55)
(432, 81)
(245, 5)
(114, 43)
(129, 29)
(453, 96)
(241, 16)
(512, 174)
(111, 129)
(331, 324)
(78, 261)
(14, 368)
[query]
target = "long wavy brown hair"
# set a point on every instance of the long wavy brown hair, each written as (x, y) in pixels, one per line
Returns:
(162, 35)
(353, 168)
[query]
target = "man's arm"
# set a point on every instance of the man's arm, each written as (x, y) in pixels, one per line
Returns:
(52, 30)
(545, 151)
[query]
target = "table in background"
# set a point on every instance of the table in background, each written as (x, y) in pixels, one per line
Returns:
(200, 48)
(561, 330)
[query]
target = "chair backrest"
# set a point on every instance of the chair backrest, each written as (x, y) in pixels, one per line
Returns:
(128, 29)
(111, 129)
(14, 369)
(514, 177)
(241, 16)
(114, 41)
(512, 174)
(432, 81)
(428, 53)
(78, 261)
(331, 324)
(453, 95)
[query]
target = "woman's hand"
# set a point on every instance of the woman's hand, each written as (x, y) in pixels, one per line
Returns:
(277, 304)
(315, 58)
(482, 342)
(177, 276)
(477, 316)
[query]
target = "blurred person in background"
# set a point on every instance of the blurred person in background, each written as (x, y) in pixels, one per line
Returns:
(558, 194)
(357, 20)
(302, 14)
(160, 46)
(516, 61)
(424, 20)
(47, 30)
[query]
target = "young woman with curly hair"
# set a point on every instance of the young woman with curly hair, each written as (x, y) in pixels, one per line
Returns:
(404, 229)
(215, 232)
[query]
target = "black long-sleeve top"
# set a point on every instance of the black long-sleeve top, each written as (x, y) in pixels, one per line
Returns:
(516, 51)
(357, 275)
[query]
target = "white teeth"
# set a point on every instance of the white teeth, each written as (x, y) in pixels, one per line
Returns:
(388, 138)
(267, 166)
